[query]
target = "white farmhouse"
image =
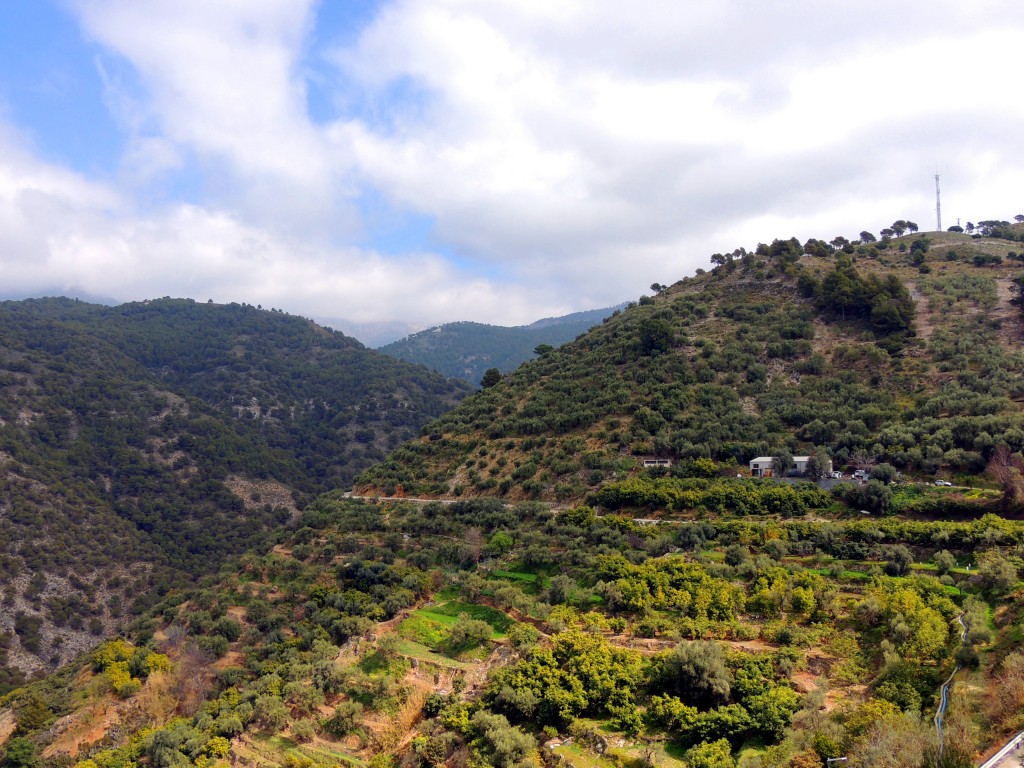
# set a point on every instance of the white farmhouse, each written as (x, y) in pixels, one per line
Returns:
(762, 466)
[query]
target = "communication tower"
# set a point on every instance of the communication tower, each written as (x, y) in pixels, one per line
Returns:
(938, 205)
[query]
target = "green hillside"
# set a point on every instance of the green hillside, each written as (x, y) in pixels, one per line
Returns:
(427, 635)
(904, 352)
(467, 350)
(682, 617)
(142, 445)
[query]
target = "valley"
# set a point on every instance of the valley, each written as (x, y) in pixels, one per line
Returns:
(143, 445)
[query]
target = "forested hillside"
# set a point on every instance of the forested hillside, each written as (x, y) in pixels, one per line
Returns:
(685, 617)
(141, 445)
(904, 351)
(467, 350)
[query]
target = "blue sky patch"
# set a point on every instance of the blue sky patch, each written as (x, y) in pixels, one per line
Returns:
(52, 90)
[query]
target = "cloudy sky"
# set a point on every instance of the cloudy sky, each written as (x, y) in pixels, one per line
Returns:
(492, 160)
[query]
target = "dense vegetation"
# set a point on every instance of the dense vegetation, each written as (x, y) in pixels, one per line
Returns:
(467, 350)
(318, 397)
(782, 640)
(900, 351)
(680, 615)
(143, 444)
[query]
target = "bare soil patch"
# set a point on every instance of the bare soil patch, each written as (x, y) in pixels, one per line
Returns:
(1011, 329)
(83, 727)
(7, 725)
(256, 493)
(922, 313)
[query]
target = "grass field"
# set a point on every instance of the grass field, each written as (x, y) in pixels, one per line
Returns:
(931, 567)
(413, 650)
(449, 613)
(517, 576)
(846, 574)
(271, 749)
(424, 629)
(582, 758)
(429, 626)
(531, 583)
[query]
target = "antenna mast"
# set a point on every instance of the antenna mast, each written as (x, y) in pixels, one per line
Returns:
(938, 204)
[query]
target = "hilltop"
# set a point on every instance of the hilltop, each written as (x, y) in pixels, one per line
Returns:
(903, 351)
(466, 350)
(142, 445)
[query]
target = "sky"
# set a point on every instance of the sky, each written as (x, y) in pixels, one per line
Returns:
(399, 164)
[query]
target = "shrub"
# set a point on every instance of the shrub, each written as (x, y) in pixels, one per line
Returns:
(468, 633)
(715, 754)
(303, 731)
(345, 718)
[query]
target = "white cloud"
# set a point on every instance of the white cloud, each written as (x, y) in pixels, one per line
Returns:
(221, 76)
(222, 80)
(60, 233)
(598, 145)
(573, 151)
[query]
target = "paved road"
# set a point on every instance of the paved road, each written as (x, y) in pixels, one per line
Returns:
(554, 507)
(1011, 757)
(1013, 760)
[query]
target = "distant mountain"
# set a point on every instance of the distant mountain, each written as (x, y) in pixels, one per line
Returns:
(372, 334)
(588, 318)
(143, 444)
(465, 350)
(79, 294)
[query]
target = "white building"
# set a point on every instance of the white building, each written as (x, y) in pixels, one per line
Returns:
(762, 466)
(657, 462)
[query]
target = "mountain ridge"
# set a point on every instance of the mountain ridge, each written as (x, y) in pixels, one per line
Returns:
(467, 349)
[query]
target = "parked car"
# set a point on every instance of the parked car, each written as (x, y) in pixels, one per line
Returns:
(944, 483)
